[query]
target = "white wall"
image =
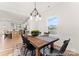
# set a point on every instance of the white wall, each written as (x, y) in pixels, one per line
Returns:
(68, 26)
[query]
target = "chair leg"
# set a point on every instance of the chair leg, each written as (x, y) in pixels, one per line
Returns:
(43, 51)
(32, 52)
(25, 52)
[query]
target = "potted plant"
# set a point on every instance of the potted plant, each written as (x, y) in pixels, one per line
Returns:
(35, 32)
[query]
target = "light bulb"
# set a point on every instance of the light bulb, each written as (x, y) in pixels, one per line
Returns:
(30, 17)
(39, 18)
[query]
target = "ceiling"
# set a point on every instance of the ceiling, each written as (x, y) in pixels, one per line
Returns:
(15, 11)
(24, 8)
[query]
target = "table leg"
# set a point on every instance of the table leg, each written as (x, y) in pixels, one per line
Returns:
(37, 52)
(51, 47)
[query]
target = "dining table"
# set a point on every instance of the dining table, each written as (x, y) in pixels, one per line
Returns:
(40, 42)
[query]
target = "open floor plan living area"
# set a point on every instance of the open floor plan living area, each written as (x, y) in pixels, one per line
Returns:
(39, 28)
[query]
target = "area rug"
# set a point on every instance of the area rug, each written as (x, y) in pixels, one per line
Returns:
(19, 51)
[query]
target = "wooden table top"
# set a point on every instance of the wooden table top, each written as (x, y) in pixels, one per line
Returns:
(36, 41)
(39, 42)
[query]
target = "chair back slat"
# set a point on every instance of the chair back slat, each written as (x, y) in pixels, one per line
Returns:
(64, 46)
(25, 40)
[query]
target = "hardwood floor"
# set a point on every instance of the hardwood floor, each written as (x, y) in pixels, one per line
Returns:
(7, 45)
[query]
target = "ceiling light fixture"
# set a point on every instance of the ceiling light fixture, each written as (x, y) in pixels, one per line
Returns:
(35, 14)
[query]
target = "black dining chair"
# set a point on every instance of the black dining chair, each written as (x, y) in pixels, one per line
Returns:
(28, 46)
(60, 52)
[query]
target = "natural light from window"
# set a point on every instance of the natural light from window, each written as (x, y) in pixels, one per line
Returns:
(52, 23)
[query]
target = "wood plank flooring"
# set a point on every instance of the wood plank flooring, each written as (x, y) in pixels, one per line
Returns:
(7, 44)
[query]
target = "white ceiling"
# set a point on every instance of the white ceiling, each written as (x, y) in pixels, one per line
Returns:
(21, 10)
(15, 11)
(24, 8)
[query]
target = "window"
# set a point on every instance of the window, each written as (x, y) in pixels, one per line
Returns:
(52, 23)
